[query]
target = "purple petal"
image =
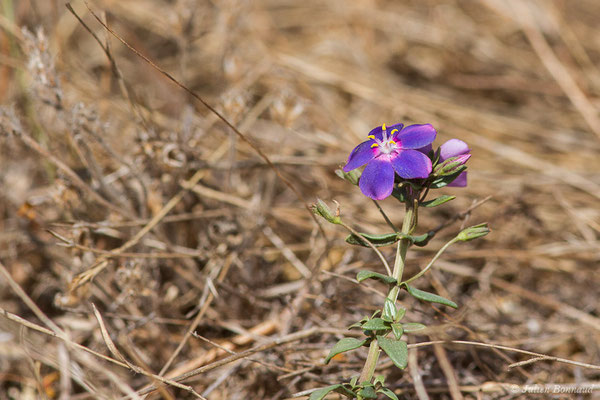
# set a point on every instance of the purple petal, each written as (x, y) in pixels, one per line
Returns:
(362, 154)
(453, 148)
(411, 164)
(377, 132)
(415, 136)
(460, 181)
(377, 180)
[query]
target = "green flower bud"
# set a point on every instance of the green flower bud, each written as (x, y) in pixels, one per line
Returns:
(324, 211)
(351, 176)
(452, 165)
(473, 232)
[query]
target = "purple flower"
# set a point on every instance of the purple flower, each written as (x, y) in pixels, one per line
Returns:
(456, 148)
(389, 150)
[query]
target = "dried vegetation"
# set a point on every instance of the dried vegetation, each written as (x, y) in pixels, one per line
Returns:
(135, 224)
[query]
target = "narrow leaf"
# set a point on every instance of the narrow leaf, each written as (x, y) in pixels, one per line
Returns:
(430, 297)
(396, 350)
(388, 393)
(358, 324)
(423, 239)
(320, 394)
(413, 327)
(364, 274)
(345, 344)
(438, 201)
(345, 391)
(376, 240)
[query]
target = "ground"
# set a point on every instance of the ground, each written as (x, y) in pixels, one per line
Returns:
(136, 224)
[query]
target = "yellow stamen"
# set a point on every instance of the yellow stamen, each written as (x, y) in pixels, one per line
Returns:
(391, 142)
(374, 145)
(371, 137)
(383, 127)
(395, 130)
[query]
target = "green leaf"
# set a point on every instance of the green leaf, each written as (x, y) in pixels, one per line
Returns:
(442, 181)
(345, 344)
(368, 393)
(385, 239)
(375, 324)
(423, 239)
(320, 394)
(430, 297)
(396, 350)
(354, 380)
(389, 311)
(401, 313)
(365, 274)
(345, 391)
(437, 202)
(358, 324)
(399, 193)
(379, 379)
(388, 393)
(397, 330)
(413, 327)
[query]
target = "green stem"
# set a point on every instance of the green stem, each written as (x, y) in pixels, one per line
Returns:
(408, 226)
(369, 368)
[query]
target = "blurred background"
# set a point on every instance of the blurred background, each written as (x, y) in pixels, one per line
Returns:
(95, 143)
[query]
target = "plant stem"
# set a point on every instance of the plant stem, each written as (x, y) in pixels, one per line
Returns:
(369, 368)
(408, 225)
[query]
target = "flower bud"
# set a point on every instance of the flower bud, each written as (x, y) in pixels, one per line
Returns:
(324, 211)
(473, 232)
(351, 176)
(452, 165)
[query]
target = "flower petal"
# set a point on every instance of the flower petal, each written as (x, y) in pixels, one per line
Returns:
(453, 148)
(411, 164)
(460, 181)
(377, 132)
(415, 136)
(362, 154)
(377, 180)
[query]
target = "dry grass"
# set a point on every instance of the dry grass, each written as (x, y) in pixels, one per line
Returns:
(204, 257)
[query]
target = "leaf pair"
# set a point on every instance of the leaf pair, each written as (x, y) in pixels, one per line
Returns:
(413, 291)
(387, 239)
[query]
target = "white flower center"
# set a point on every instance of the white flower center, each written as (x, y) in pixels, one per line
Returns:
(386, 144)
